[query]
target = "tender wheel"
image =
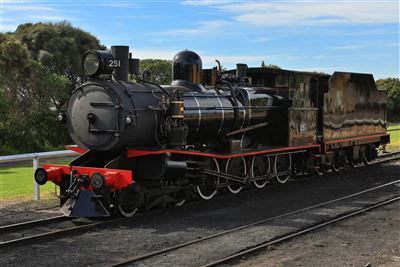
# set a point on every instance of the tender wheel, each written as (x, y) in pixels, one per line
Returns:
(335, 167)
(208, 188)
(318, 168)
(318, 171)
(357, 161)
(283, 163)
(337, 162)
(370, 155)
(237, 167)
(260, 166)
(353, 163)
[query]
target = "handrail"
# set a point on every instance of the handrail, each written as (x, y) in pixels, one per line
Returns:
(35, 157)
(41, 155)
(393, 130)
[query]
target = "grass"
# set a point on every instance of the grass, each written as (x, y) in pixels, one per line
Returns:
(16, 183)
(394, 136)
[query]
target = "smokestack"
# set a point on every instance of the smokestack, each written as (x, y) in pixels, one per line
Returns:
(121, 53)
(134, 65)
(241, 71)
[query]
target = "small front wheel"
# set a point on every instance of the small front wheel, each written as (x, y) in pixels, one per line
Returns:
(127, 201)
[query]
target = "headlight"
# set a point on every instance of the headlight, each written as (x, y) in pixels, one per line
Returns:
(97, 180)
(96, 62)
(41, 176)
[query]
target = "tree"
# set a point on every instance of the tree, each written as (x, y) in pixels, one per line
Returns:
(271, 66)
(30, 96)
(58, 46)
(3, 118)
(392, 87)
(34, 85)
(160, 70)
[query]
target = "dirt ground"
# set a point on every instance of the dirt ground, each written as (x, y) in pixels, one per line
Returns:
(14, 212)
(372, 239)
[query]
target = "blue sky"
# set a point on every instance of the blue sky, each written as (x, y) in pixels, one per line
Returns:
(347, 35)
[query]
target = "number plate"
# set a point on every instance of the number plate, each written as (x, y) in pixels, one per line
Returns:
(114, 63)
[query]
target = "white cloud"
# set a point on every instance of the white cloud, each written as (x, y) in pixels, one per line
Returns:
(116, 4)
(206, 2)
(43, 17)
(349, 47)
(290, 13)
(20, 7)
(209, 27)
(31, 11)
(369, 45)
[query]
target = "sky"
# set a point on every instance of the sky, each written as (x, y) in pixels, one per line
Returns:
(309, 35)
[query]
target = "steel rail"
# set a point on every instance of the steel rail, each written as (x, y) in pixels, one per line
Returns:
(16, 226)
(299, 233)
(57, 233)
(387, 157)
(380, 159)
(178, 246)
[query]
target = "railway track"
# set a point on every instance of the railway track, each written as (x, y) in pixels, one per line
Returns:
(137, 260)
(384, 157)
(33, 223)
(387, 157)
(278, 240)
(54, 227)
(58, 226)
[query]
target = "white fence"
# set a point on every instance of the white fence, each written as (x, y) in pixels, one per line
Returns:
(35, 157)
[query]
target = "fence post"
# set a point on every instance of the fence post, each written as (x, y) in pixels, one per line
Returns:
(36, 193)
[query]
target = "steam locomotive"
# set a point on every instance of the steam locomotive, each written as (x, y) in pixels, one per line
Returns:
(143, 144)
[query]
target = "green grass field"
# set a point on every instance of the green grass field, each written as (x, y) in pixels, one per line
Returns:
(394, 137)
(16, 183)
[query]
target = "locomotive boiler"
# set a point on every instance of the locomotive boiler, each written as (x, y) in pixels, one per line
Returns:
(105, 115)
(144, 144)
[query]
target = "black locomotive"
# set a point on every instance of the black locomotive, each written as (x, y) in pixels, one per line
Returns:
(144, 144)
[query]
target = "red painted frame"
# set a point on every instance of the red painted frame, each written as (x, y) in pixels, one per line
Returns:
(353, 139)
(114, 178)
(132, 153)
(77, 149)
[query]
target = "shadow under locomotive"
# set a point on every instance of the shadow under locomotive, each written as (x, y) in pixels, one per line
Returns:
(143, 144)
